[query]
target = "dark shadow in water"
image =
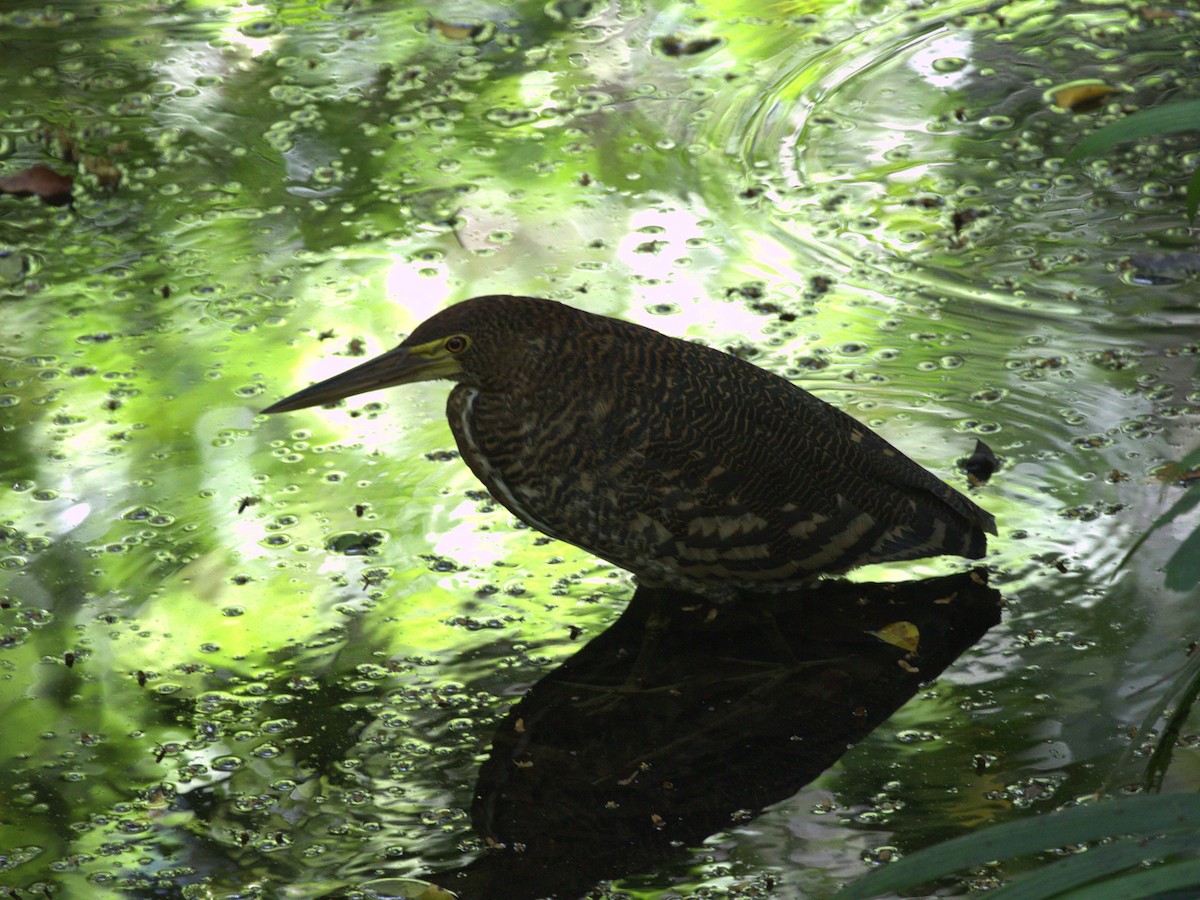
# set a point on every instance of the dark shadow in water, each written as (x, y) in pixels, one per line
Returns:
(741, 705)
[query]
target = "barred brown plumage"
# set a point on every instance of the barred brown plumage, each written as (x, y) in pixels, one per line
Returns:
(687, 466)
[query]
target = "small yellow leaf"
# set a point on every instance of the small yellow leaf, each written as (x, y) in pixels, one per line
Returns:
(1081, 96)
(457, 31)
(904, 635)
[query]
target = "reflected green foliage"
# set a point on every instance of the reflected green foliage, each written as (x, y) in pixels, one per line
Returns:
(237, 651)
(1176, 708)
(1132, 832)
(1183, 568)
(1170, 118)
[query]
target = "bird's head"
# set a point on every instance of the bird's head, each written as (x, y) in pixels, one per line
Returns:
(490, 342)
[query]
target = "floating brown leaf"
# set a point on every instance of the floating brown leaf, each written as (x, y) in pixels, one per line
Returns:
(1177, 473)
(673, 45)
(39, 181)
(458, 31)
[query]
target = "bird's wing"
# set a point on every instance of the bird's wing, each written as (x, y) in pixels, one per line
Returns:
(791, 484)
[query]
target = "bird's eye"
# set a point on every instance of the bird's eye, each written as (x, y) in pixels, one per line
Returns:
(455, 344)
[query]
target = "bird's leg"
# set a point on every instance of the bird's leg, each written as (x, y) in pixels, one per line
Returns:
(657, 620)
(639, 674)
(780, 645)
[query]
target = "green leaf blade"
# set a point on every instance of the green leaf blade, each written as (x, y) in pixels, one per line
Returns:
(1170, 118)
(1141, 815)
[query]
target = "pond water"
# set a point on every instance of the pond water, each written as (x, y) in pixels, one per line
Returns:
(247, 656)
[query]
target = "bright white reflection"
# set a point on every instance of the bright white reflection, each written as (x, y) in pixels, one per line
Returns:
(415, 289)
(464, 543)
(224, 473)
(535, 89)
(657, 240)
(943, 62)
(236, 35)
(670, 272)
(73, 516)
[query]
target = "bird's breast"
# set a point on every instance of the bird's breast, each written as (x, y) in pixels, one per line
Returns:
(522, 455)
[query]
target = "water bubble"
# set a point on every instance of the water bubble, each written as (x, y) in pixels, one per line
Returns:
(355, 543)
(227, 763)
(949, 64)
(260, 28)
